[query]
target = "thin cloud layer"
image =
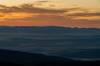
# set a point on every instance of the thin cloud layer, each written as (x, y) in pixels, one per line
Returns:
(86, 16)
(27, 8)
(30, 15)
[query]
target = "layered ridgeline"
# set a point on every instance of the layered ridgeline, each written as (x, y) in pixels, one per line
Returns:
(73, 43)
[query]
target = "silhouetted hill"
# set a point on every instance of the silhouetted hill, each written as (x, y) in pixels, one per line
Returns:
(8, 57)
(27, 58)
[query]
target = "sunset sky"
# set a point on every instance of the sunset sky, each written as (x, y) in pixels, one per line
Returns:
(67, 13)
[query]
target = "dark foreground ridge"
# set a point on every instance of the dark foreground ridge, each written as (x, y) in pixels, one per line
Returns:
(9, 57)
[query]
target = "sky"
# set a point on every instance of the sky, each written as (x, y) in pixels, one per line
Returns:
(67, 13)
(86, 3)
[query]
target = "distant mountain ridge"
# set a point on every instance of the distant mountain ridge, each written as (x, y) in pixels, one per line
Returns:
(46, 27)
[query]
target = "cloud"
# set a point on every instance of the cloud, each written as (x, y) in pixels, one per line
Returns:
(41, 1)
(29, 8)
(3, 6)
(88, 18)
(26, 11)
(30, 15)
(85, 14)
(15, 15)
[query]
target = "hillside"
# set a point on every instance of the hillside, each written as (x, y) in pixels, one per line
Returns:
(9, 57)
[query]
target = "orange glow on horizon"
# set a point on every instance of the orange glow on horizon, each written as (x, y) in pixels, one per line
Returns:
(4, 16)
(20, 15)
(30, 23)
(73, 24)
